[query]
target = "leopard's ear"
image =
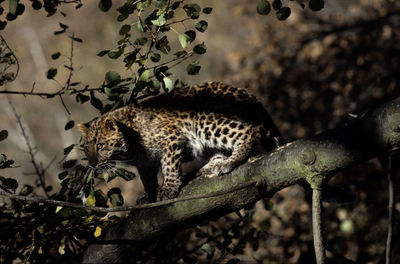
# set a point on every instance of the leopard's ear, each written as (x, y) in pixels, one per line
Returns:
(83, 128)
(110, 123)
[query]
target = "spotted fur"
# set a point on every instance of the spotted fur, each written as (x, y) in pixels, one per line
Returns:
(216, 123)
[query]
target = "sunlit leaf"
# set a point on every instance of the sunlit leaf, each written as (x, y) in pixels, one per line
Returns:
(160, 21)
(97, 232)
(168, 84)
(90, 200)
(145, 75)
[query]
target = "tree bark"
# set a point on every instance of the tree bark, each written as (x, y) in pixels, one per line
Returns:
(375, 133)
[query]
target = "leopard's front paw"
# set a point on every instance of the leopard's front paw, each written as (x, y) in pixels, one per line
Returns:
(166, 193)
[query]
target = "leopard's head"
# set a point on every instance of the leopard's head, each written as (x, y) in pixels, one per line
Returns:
(103, 141)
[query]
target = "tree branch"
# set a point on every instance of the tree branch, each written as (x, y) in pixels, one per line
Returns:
(376, 133)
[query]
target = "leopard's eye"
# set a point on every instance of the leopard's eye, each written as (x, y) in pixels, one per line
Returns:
(99, 146)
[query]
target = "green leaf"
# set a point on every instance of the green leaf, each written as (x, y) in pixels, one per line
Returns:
(145, 75)
(124, 29)
(192, 10)
(112, 77)
(183, 40)
(3, 135)
(168, 84)
(160, 21)
(140, 25)
(13, 6)
(126, 175)
(283, 13)
(51, 73)
(70, 124)
(105, 5)
(316, 5)
(201, 25)
(277, 4)
(207, 10)
(200, 48)
(263, 7)
(115, 54)
(69, 164)
(181, 53)
(26, 189)
(3, 158)
(115, 197)
(208, 248)
(193, 68)
(155, 57)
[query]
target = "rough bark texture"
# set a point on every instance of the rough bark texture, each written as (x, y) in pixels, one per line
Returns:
(373, 134)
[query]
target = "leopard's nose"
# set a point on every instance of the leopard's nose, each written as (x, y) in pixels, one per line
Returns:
(92, 160)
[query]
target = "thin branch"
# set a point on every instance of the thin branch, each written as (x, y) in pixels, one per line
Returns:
(50, 95)
(40, 172)
(37, 199)
(318, 237)
(392, 183)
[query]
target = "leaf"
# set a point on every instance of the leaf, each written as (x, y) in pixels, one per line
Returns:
(97, 232)
(115, 197)
(95, 102)
(56, 55)
(160, 21)
(13, 6)
(277, 4)
(187, 38)
(69, 164)
(105, 5)
(183, 40)
(62, 175)
(145, 75)
(316, 5)
(201, 25)
(140, 26)
(36, 5)
(263, 7)
(155, 57)
(163, 45)
(61, 249)
(208, 248)
(283, 13)
(124, 29)
(193, 68)
(63, 26)
(58, 209)
(68, 149)
(8, 183)
(81, 98)
(112, 77)
(70, 124)
(207, 10)
(140, 41)
(51, 73)
(90, 200)
(77, 39)
(192, 10)
(168, 84)
(200, 48)
(3, 135)
(103, 52)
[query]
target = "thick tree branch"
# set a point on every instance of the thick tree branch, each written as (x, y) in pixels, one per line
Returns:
(375, 133)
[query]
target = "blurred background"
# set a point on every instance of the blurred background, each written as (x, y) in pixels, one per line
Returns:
(309, 71)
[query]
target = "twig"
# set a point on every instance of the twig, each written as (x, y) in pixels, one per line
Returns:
(37, 199)
(319, 246)
(50, 95)
(392, 184)
(40, 172)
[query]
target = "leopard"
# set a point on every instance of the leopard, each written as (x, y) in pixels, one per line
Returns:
(219, 125)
